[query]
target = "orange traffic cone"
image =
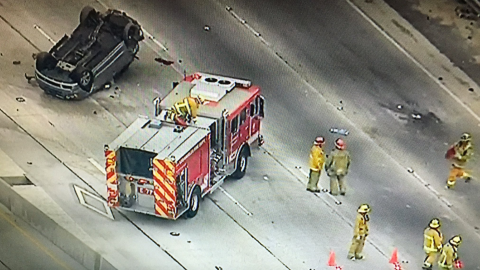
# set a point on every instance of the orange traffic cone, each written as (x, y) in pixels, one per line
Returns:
(331, 260)
(394, 258)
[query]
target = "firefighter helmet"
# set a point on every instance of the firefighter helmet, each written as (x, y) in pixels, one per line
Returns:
(434, 223)
(456, 240)
(364, 208)
(319, 140)
(340, 144)
(466, 136)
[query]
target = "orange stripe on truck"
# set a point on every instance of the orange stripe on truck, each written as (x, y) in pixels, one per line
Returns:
(164, 188)
(112, 181)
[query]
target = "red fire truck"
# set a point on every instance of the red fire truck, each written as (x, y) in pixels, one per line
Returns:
(159, 167)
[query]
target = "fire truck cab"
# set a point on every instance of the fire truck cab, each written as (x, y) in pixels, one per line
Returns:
(159, 167)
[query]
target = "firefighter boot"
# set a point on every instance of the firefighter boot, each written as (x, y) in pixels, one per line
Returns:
(427, 265)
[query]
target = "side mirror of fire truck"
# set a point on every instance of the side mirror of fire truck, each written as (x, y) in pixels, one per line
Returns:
(156, 105)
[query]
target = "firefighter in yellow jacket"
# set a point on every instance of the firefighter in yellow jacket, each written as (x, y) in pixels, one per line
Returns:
(317, 159)
(360, 233)
(336, 166)
(449, 255)
(459, 153)
(432, 243)
(185, 109)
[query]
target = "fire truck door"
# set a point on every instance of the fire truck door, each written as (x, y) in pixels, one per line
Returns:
(256, 113)
(182, 187)
(244, 126)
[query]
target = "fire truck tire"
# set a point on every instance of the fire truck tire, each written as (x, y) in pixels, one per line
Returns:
(194, 203)
(242, 162)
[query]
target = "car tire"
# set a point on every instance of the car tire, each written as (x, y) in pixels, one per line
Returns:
(242, 162)
(86, 12)
(45, 60)
(84, 78)
(132, 32)
(194, 203)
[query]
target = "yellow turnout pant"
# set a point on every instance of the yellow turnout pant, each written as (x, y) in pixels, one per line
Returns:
(456, 172)
(357, 246)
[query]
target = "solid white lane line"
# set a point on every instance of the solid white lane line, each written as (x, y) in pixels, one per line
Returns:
(235, 201)
(98, 166)
(44, 34)
(244, 22)
(337, 202)
(429, 187)
(409, 56)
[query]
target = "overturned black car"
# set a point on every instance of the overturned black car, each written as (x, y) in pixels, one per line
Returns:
(101, 47)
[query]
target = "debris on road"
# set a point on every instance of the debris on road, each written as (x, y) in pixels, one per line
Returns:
(174, 233)
(163, 61)
(20, 99)
(340, 131)
(416, 116)
(29, 77)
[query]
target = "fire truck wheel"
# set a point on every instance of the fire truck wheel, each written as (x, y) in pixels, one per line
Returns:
(241, 164)
(194, 203)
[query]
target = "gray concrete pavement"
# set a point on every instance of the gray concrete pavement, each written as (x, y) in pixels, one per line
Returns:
(457, 38)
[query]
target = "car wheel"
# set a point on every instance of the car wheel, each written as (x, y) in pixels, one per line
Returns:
(194, 203)
(85, 13)
(83, 77)
(242, 162)
(44, 61)
(132, 32)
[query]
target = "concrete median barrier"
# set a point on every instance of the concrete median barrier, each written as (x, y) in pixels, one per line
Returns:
(34, 206)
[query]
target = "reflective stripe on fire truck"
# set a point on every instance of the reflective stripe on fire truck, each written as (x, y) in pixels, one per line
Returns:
(112, 181)
(165, 189)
